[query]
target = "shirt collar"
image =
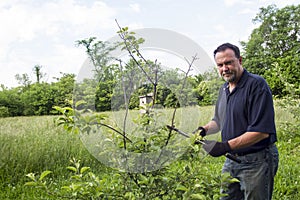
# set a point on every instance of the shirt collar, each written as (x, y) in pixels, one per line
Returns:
(242, 80)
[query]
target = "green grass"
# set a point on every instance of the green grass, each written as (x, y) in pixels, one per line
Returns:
(34, 144)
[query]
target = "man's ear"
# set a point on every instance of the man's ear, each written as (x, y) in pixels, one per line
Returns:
(240, 60)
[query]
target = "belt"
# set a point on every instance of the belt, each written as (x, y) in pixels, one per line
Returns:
(250, 152)
(245, 153)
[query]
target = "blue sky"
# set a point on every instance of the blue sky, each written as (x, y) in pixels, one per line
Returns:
(44, 32)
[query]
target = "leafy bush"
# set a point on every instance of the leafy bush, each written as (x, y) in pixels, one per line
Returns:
(4, 112)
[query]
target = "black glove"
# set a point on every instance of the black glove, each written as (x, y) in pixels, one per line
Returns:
(215, 148)
(201, 130)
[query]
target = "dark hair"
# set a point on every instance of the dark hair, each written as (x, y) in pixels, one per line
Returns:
(225, 46)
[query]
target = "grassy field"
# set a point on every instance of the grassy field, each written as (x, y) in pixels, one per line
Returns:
(35, 144)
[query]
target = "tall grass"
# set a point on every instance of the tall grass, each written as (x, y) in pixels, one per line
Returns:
(35, 144)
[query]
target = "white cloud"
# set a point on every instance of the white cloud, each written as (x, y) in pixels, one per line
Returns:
(67, 59)
(278, 3)
(135, 7)
(221, 30)
(61, 58)
(22, 22)
(247, 11)
(230, 3)
(25, 25)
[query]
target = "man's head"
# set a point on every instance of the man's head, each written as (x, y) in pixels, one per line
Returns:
(229, 62)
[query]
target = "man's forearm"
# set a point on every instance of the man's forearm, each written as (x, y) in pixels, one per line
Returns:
(246, 140)
(211, 127)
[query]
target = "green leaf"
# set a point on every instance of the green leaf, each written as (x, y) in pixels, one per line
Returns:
(141, 40)
(125, 29)
(31, 183)
(44, 174)
(66, 188)
(79, 103)
(129, 195)
(197, 196)
(76, 177)
(72, 168)
(75, 187)
(143, 179)
(181, 188)
(234, 180)
(83, 169)
(59, 109)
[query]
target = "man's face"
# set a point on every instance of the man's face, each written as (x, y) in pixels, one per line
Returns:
(229, 66)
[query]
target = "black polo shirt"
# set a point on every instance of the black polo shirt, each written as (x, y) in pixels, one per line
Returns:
(248, 108)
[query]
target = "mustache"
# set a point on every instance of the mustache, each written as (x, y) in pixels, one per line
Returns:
(228, 72)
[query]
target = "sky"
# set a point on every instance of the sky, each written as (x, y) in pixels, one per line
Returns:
(44, 32)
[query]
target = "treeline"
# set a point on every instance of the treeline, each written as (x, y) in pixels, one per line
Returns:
(36, 98)
(39, 98)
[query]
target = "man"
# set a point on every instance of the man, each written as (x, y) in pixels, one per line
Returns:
(244, 114)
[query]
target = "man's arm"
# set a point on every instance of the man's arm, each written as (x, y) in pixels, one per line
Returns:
(246, 140)
(211, 127)
(216, 149)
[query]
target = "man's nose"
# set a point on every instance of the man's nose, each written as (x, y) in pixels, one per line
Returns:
(224, 67)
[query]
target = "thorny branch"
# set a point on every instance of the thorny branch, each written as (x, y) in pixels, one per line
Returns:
(190, 64)
(129, 43)
(112, 128)
(125, 99)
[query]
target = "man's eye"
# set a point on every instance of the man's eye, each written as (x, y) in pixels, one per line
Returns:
(228, 63)
(225, 63)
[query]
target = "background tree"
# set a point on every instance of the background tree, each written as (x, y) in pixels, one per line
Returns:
(99, 54)
(23, 80)
(38, 73)
(105, 73)
(38, 99)
(10, 102)
(276, 42)
(63, 89)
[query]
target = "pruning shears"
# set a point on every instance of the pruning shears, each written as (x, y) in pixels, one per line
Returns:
(228, 155)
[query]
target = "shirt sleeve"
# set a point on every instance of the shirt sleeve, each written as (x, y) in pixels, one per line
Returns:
(261, 111)
(220, 108)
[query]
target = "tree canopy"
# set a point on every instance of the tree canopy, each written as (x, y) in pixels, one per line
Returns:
(273, 49)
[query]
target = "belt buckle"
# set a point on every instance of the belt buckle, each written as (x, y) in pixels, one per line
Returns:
(240, 154)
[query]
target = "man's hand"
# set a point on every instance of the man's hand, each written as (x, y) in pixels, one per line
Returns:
(201, 130)
(215, 148)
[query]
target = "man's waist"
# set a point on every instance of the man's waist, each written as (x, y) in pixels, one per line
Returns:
(250, 150)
